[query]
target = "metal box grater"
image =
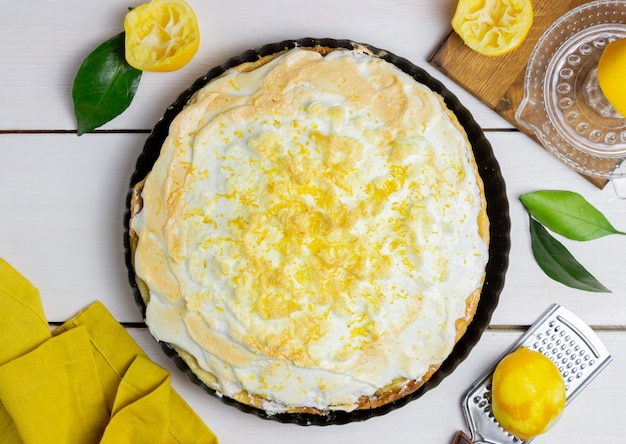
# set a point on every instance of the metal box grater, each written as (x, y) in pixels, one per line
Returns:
(562, 336)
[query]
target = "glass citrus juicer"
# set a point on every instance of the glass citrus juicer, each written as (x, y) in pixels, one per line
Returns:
(563, 105)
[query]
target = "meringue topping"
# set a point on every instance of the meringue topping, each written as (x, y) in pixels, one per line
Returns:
(309, 232)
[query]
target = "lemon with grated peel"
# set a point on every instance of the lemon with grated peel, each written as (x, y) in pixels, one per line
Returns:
(611, 74)
(161, 35)
(493, 27)
(528, 393)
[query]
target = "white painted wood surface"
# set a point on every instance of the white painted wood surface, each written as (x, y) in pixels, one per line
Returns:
(62, 198)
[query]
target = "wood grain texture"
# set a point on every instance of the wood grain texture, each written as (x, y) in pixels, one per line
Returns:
(499, 81)
(432, 419)
(62, 200)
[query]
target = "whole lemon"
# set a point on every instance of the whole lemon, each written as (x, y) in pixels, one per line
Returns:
(611, 74)
(528, 393)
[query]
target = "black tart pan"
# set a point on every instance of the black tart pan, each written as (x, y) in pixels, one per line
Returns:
(497, 211)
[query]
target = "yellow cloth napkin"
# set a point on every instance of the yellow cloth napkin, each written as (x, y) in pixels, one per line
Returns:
(86, 382)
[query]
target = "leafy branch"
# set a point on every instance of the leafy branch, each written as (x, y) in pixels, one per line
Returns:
(570, 215)
(104, 86)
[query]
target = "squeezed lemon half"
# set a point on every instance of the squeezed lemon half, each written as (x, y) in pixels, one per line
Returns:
(493, 27)
(528, 393)
(161, 35)
(611, 74)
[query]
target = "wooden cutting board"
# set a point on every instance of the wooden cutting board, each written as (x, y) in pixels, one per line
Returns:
(499, 81)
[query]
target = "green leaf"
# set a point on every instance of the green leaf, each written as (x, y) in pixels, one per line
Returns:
(568, 214)
(558, 263)
(104, 85)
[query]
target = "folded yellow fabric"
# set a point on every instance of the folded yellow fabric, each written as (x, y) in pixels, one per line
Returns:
(88, 382)
(53, 393)
(20, 312)
(144, 388)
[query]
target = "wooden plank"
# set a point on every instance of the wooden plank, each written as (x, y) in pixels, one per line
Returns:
(499, 81)
(62, 201)
(434, 418)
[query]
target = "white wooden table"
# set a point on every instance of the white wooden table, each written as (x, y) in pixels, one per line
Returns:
(62, 198)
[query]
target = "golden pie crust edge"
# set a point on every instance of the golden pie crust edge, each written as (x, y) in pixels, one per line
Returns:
(396, 389)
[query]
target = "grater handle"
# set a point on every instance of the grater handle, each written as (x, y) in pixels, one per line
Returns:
(562, 336)
(462, 438)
